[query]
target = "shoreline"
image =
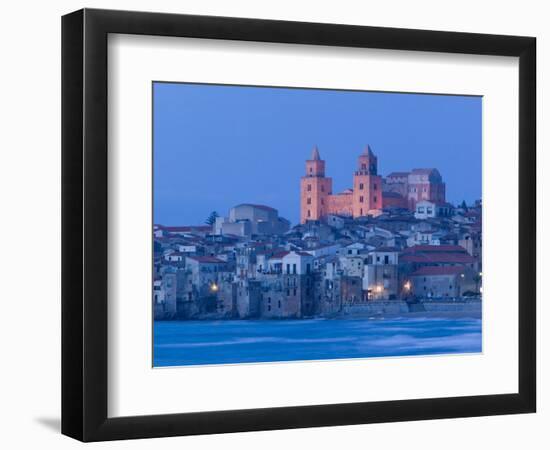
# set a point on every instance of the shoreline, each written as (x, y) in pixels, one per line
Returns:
(378, 311)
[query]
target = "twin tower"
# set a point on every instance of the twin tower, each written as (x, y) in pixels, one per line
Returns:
(317, 199)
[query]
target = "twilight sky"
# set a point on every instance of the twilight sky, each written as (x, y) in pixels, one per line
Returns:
(218, 146)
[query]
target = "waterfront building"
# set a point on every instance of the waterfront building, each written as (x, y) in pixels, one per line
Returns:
(380, 274)
(443, 282)
(204, 272)
(164, 296)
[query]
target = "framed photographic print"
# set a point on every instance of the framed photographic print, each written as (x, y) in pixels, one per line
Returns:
(273, 224)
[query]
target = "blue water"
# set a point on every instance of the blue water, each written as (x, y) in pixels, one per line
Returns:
(245, 341)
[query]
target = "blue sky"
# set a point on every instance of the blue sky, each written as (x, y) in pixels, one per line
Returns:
(217, 146)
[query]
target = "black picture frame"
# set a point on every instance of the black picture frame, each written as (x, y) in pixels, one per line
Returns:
(84, 224)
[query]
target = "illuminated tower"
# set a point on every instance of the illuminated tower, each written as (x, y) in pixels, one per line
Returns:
(367, 185)
(314, 189)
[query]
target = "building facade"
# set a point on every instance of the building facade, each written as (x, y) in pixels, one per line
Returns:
(370, 192)
(317, 199)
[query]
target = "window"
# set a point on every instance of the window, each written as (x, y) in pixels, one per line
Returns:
(361, 199)
(420, 210)
(309, 201)
(374, 199)
(294, 292)
(308, 268)
(294, 269)
(363, 166)
(279, 304)
(375, 186)
(386, 259)
(269, 307)
(309, 187)
(308, 213)
(361, 186)
(288, 269)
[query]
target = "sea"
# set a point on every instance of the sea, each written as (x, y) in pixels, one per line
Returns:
(208, 342)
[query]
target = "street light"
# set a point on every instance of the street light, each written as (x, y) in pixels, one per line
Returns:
(407, 286)
(214, 287)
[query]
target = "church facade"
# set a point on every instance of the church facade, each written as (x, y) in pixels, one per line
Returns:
(370, 192)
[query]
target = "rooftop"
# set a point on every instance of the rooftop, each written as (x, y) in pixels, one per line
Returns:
(438, 270)
(207, 259)
(438, 258)
(397, 174)
(263, 207)
(434, 249)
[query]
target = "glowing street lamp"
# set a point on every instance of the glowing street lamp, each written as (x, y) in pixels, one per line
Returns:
(379, 289)
(214, 287)
(407, 286)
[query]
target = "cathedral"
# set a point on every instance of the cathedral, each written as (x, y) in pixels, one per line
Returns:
(370, 192)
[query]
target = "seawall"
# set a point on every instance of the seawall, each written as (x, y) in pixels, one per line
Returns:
(402, 307)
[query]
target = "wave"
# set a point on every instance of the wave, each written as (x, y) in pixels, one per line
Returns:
(403, 342)
(257, 340)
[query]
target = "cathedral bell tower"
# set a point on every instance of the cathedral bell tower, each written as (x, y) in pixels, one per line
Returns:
(314, 189)
(367, 185)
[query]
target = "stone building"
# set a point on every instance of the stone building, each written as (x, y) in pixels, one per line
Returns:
(317, 199)
(249, 219)
(380, 276)
(370, 192)
(413, 187)
(443, 281)
(164, 296)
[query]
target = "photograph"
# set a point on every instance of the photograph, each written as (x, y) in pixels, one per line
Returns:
(308, 224)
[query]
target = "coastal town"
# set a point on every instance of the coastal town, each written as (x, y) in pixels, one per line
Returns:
(388, 244)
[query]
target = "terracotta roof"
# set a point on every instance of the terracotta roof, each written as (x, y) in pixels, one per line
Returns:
(438, 258)
(386, 249)
(438, 270)
(279, 255)
(434, 249)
